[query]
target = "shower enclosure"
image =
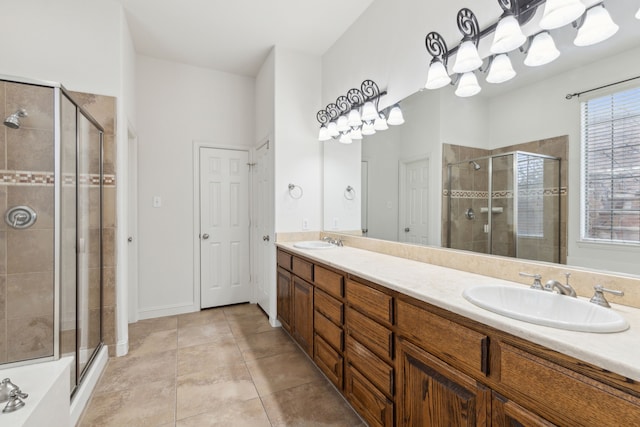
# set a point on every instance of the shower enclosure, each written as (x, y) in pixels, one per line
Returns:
(51, 230)
(506, 204)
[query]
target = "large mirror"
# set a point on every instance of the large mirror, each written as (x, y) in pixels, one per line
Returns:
(401, 176)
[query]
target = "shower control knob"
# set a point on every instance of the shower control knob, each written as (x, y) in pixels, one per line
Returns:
(205, 236)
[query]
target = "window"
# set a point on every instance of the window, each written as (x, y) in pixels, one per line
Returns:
(611, 167)
(530, 196)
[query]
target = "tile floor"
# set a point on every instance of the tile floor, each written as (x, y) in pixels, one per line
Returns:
(218, 367)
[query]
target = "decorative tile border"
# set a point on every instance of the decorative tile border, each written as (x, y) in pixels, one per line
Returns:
(8, 177)
(506, 194)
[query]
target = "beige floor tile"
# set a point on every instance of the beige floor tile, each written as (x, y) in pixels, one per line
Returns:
(202, 334)
(238, 414)
(313, 404)
(200, 318)
(222, 352)
(154, 342)
(265, 344)
(240, 310)
(143, 328)
(126, 372)
(148, 404)
(213, 390)
(275, 373)
(241, 326)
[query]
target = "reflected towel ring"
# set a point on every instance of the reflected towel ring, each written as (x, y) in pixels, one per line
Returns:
(293, 193)
(350, 193)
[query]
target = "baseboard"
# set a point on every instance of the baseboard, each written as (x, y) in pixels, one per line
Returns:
(152, 313)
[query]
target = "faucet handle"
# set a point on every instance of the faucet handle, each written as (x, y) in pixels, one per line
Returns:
(599, 299)
(536, 280)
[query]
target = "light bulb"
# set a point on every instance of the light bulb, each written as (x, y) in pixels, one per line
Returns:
(323, 135)
(468, 86)
(501, 69)
(369, 112)
(508, 35)
(333, 129)
(345, 138)
(558, 13)
(354, 119)
(542, 50)
(437, 75)
(380, 123)
(467, 58)
(343, 124)
(597, 27)
(395, 116)
(368, 129)
(355, 134)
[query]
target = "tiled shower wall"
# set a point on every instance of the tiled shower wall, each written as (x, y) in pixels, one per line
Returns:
(503, 243)
(27, 256)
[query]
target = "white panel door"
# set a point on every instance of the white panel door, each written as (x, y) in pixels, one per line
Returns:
(224, 227)
(263, 228)
(414, 224)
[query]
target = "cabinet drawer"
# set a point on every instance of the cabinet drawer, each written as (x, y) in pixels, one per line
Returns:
(302, 268)
(328, 330)
(373, 302)
(328, 360)
(376, 369)
(450, 341)
(284, 260)
(372, 334)
(330, 282)
(329, 306)
(563, 396)
(370, 403)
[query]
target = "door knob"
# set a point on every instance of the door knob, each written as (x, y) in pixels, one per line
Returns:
(130, 239)
(406, 230)
(205, 236)
(265, 238)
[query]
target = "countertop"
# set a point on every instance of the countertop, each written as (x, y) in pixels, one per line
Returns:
(616, 352)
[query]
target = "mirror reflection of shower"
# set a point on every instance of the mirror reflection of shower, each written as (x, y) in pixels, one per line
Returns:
(13, 121)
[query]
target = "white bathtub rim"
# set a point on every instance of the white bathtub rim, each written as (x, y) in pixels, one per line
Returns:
(85, 390)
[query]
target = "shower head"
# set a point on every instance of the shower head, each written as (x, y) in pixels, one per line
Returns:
(13, 121)
(476, 166)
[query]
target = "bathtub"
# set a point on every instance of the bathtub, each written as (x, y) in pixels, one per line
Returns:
(48, 386)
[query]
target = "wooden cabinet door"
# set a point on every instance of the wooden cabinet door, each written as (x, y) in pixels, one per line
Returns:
(432, 393)
(302, 323)
(505, 413)
(284, 298)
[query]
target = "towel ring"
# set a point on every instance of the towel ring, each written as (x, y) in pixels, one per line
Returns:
(350, 193)
(293, 193)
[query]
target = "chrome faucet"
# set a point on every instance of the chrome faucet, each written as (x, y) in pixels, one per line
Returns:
(337, 242)
(536, 280)
(565, 289)
(11, 393)
(599, 299)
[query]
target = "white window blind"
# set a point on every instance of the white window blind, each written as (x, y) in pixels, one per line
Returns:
(530, 196)
(611, 167)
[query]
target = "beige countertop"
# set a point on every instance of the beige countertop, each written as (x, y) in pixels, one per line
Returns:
(443, 287)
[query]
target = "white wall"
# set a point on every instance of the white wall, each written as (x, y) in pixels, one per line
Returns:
(74, 42)
(298, 153)
(177, 105)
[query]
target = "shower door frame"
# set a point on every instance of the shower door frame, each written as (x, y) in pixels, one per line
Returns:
(514, 157)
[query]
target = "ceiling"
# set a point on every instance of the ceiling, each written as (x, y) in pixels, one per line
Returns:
(235, 36)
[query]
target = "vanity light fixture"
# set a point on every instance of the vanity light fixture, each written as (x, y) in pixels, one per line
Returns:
(468, 85)
(596, 26)
(558, 13)
(638, 14)
(467, 58)
(500, 69)
(508, 34)
(356, 114)
(542, 50)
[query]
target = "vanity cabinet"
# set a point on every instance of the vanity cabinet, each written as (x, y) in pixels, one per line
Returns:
(369, 372)
(400, 361)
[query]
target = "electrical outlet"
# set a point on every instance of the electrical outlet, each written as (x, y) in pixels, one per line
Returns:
(305, 224)
(335, 223)
(157, 201)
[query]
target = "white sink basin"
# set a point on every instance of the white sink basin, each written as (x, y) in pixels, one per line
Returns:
(313, 244)
(546, 308)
